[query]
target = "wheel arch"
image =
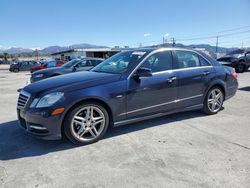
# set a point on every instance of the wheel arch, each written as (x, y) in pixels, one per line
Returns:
(219, 84)
(92, 99)
(242, 61)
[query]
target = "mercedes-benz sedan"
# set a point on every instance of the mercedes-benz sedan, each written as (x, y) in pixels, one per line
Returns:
(130, 86)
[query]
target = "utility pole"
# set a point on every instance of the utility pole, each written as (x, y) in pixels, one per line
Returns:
(173, 42)
(216, 50)
(242, 45)
(37, 54)
(164, 41)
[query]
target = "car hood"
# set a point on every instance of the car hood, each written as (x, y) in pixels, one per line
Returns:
(70, 82)
(46, 71)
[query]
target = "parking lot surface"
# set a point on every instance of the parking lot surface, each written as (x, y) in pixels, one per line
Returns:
(181, 150)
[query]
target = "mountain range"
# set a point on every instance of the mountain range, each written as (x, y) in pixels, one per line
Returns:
(53, 49)
(48, 50)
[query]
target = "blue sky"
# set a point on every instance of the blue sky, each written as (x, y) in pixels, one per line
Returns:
(41, 23)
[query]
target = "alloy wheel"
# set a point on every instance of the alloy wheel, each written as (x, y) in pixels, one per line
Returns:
(215, 100)
(88, 123)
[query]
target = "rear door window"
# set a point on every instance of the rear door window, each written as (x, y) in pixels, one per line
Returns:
(203, 62)
(187, 59)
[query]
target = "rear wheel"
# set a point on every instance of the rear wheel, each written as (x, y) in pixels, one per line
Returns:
(86, 123)
(213, 101)
(16, 70)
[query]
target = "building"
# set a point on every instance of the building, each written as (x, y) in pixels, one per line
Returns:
(92, 52)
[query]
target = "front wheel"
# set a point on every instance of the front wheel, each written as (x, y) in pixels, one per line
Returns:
(246, 69)
(86, 123)
(16, 70)
(213, 101)
(240, 68)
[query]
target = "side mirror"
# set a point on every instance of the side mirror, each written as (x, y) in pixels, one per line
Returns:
(143, 72)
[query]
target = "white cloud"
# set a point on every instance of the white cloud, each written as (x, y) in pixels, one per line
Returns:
(166, 35)
(37, 48)
(2, 47)
(147, 34)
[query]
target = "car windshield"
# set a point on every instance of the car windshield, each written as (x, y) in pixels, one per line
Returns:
(120, 62)
(70, 63)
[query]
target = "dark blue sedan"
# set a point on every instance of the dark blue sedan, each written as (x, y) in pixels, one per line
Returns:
(130, 86)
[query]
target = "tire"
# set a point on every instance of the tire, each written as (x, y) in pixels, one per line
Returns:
(246, 68)
(240, 68)
(210, 101)
(15, 70)
(82, 128)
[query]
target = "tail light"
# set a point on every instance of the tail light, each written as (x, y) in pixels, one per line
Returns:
(234, 74)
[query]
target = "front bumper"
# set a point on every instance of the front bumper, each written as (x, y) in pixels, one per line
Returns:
(39, 123)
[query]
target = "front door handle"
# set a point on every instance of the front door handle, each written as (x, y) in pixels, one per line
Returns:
(205, 73)
(171, 79)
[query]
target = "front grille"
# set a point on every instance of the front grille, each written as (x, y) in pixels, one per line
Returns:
(23, 99)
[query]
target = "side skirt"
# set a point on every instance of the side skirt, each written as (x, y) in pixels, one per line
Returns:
(134, 120)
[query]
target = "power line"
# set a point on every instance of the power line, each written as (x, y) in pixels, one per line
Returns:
(234, 41)
(204, 37)
(216, 33)
(210, 37)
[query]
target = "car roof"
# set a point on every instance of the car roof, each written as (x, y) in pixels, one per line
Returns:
(151, 49)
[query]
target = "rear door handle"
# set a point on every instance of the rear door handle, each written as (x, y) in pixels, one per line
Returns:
(171, 79)
(205, 73)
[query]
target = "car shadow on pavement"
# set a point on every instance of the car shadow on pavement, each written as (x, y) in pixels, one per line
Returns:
(15, 143)
(245, 88)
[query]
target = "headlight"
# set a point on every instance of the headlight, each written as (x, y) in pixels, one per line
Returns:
(47, 100)
(38, 76)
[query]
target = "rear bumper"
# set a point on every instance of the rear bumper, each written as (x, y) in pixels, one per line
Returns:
(231, 90)
(40, 123)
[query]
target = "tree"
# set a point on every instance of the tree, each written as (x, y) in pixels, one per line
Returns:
(5, 56)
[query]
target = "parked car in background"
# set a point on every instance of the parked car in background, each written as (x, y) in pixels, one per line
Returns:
(22, 66)
(241, 62)
(75, 65)
(46, 65)
(130, 86)
(65, 60)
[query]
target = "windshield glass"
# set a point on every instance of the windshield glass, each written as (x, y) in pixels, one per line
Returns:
(70, 63)
(120, 62)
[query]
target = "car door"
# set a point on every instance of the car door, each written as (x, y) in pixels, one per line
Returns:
(194, 73)
(23, 66)
(31, 64)
(84, 65)
(155, 94)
